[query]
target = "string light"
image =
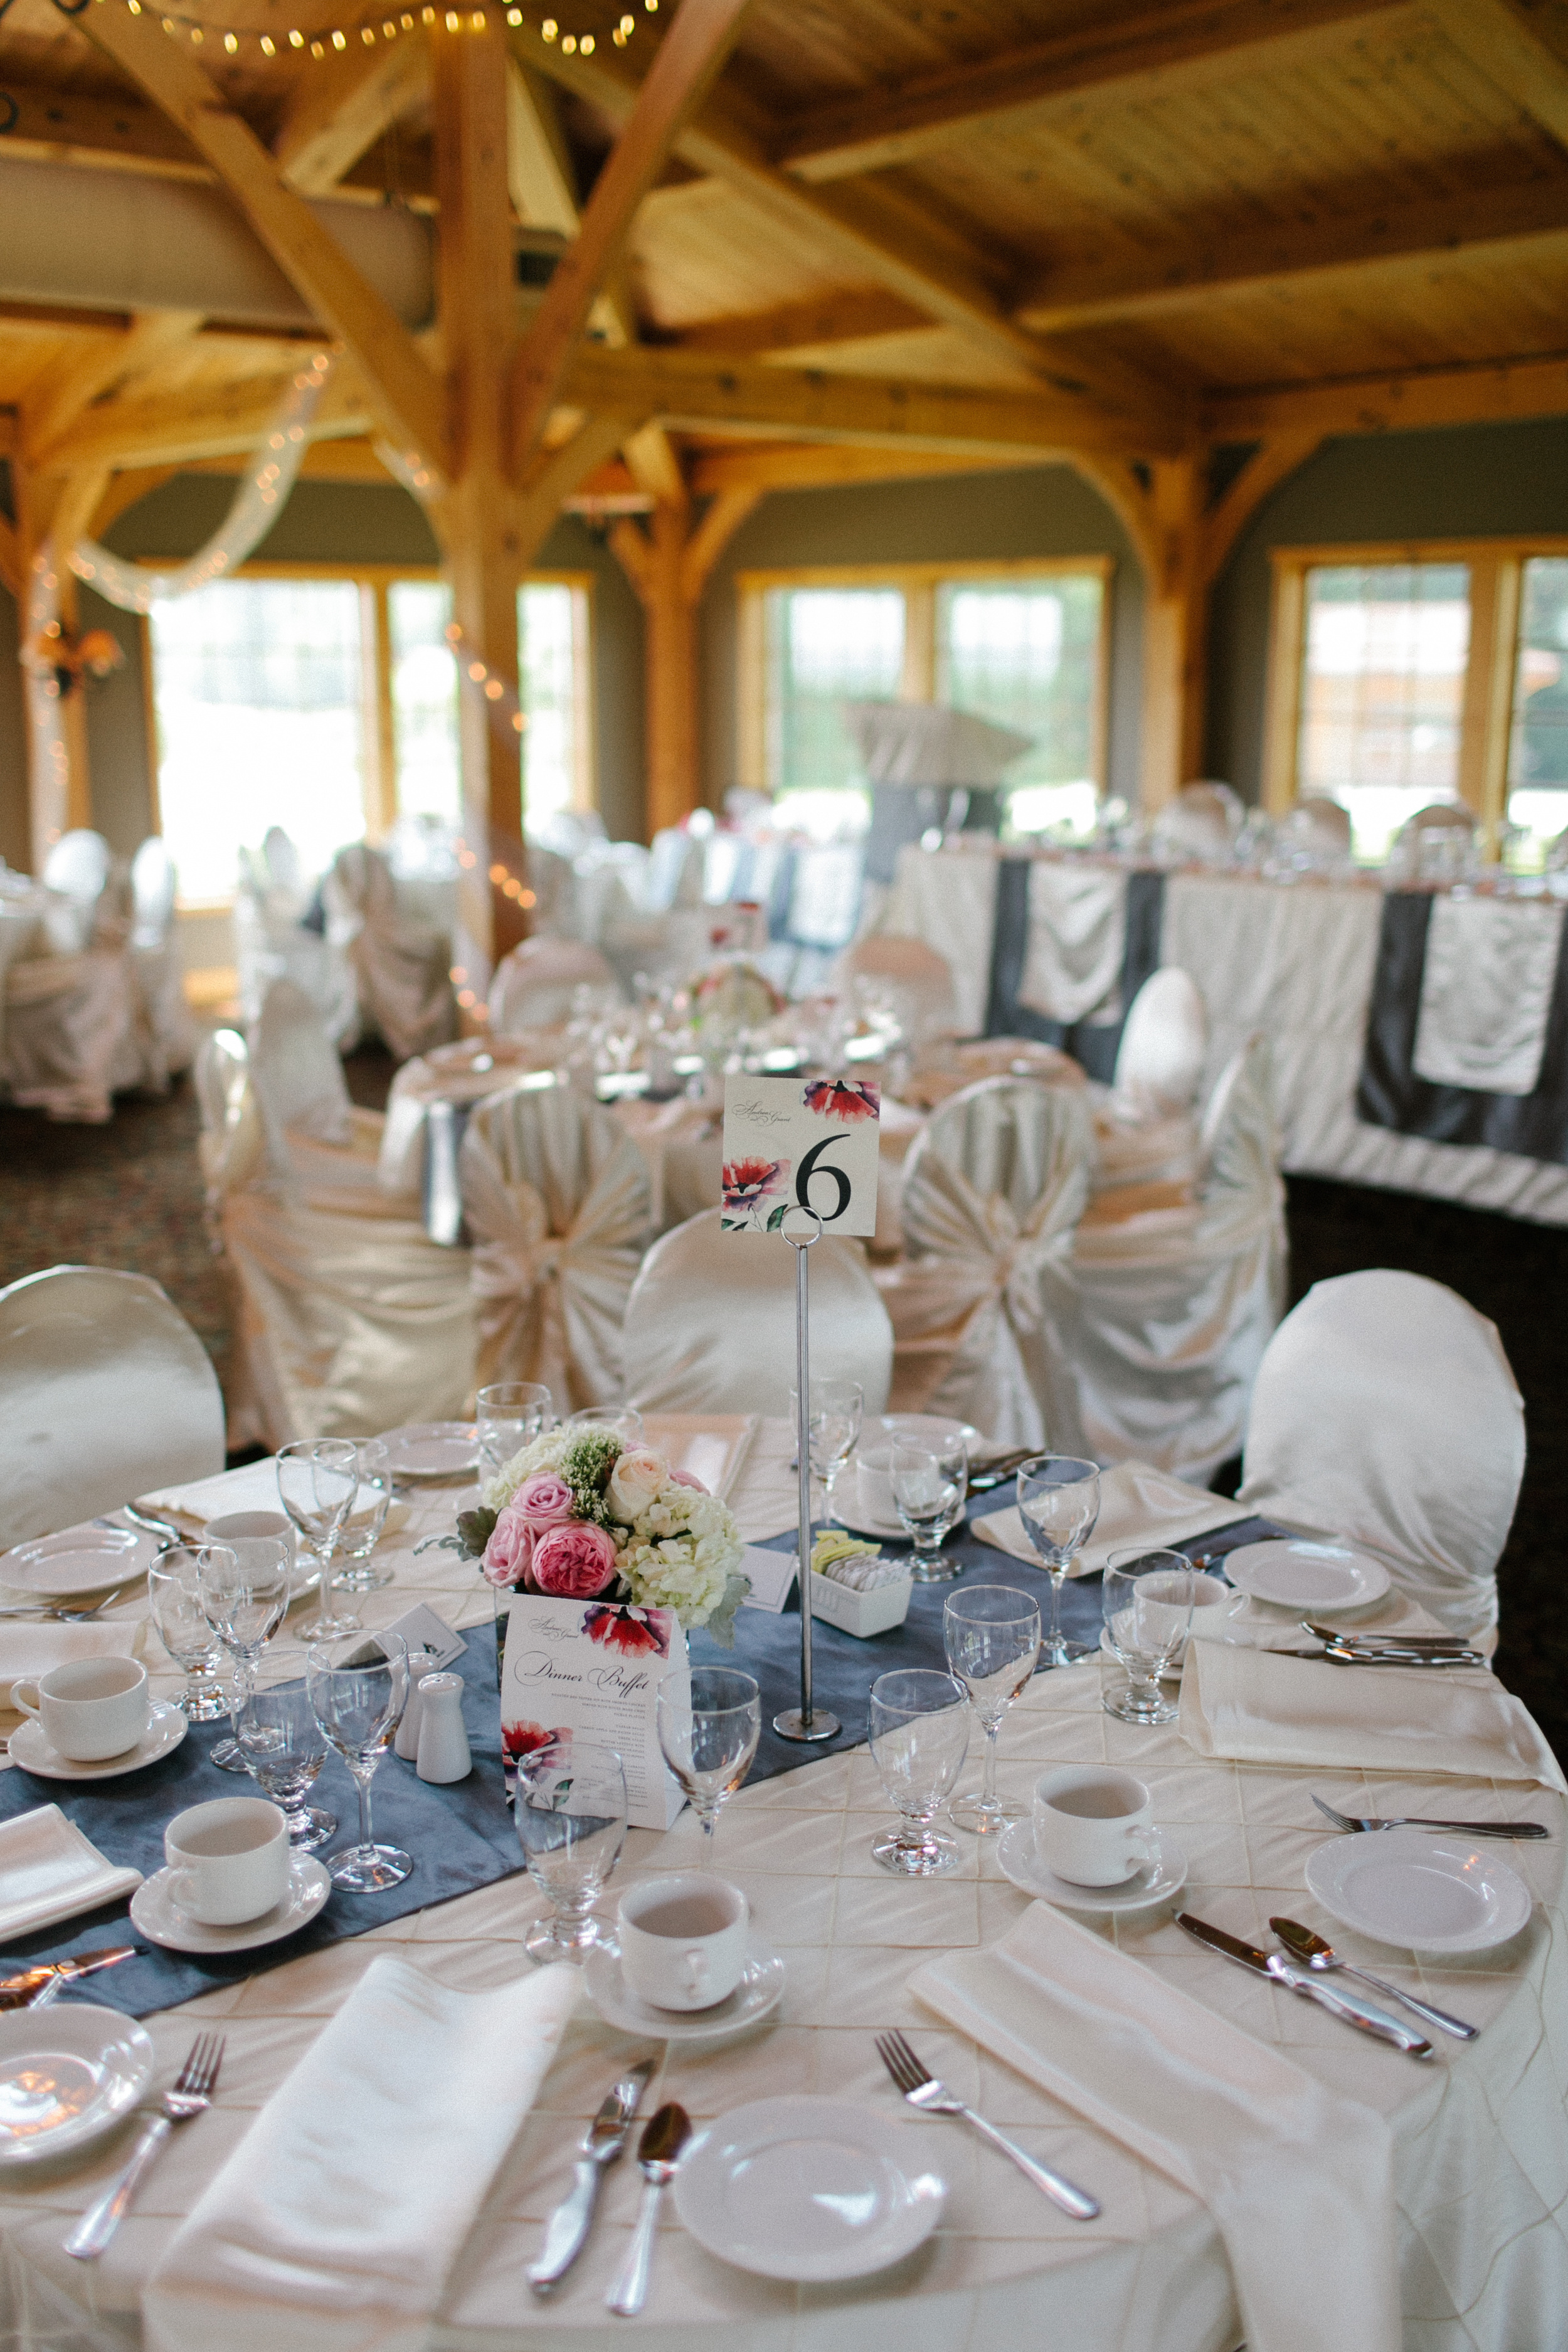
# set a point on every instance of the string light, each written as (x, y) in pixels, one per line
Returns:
(332, 40)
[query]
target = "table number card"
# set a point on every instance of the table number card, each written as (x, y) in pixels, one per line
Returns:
(590, 1670)
(799, 1142)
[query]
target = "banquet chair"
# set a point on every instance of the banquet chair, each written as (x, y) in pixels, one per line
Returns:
(534, 986)
(557, 1201)
(270, 941)
(709, 1324)
(105, 1392)
(553, 883)
(1160, 1056)
(70, 1038)
(920, 980)
(168, 1035)
(1438, 843)
(1386, 1416)
(321, 1146)
(1200, 824)
(402, 964)
(1317, 830)
(79, 867)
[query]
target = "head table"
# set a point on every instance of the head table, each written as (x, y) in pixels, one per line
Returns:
(1482, 2143)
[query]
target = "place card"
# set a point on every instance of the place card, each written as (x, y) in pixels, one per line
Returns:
(773, 1575)
(591, 1670)
(800, 1142)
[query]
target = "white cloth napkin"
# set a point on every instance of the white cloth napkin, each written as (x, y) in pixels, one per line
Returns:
(1138, 1505)
(1300, 2183)
(1258, 1708)
(29, 1649)
(334, 2225)
(252, 1488)
(50, 1871)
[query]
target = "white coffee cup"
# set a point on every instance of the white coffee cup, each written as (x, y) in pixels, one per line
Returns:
(229, 1860)
(236, 1529)
(683, 1939)
(90, 1709)
(874, 1478)
(1092, 1826)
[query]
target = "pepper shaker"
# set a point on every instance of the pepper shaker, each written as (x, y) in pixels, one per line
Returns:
(444, 1753)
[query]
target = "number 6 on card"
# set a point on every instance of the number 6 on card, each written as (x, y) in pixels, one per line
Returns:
(810, 1142)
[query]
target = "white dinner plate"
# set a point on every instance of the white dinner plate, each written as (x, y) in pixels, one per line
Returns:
(89, 1560)
(848, 1511)
(67, 2072)
(432, 1449)
(29, 1747)
(759, 1991)
(1427, 1890)
(1165, 1875)
(155, 1916)
(808, 2189)
(1295, 1573)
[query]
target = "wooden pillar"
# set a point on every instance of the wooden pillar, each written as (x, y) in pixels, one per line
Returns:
(1174, 632)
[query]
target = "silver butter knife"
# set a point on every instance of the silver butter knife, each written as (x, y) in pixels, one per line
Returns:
(605, 2139)
(1348, 2006)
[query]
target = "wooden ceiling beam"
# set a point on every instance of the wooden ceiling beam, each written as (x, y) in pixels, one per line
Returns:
(85, 376)
(1520, 47)
(1270, 464)
(824, 465)
(1503, 391)
(853, 316)
(343, 105)
(539, 169)
(171, 430)
(123, 133)
(10, 559)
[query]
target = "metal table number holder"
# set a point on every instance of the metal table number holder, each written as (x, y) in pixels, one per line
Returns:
(804, 1723)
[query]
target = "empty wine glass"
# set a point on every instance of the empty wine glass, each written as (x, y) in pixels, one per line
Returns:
(620, 1419)
(245, 1586)
(571, 1818)
(174, 1604)
(509, 1415)
(833, 1425)
(1148, 1601)
(358, 1707)
(284, 1749)
(930, 1481)
(919, 1732)
(361, 1531)
(318, 1479)
(1059, 1502)
(992, 1636)
(709, 1721)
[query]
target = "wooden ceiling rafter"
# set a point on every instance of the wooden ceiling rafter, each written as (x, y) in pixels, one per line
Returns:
(107, 365)
(343, 108)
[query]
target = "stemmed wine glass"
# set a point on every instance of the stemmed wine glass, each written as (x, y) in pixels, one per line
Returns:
(571, 1818)
(929, 1483)
(992, 1636)
(284, 1749)
(833, 1424)
(919, 1730)
(174, 1600)
(317, 1480)
(709, 1721)
(1059, 1502)
(1148, 1601)
(509, 1415)
(244, 1587)
(358, 1707)
(361, 1530)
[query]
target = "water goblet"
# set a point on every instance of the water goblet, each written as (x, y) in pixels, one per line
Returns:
(919, 1732)
(709, 1721)
(992, 1636)
(1059, 1502)
(509, 1415)
(1148, 1601)
(571, 1819)
(620, 1419)
(175, 1604)
(930, 1481)
(317, 1481)
(358, 1707)
(834, 1412)
(244, 1587)
(284, 1749)
(361, 1531)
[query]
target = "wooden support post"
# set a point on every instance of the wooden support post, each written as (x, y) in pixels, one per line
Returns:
(1175, 617)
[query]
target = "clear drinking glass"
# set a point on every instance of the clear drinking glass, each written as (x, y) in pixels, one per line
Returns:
(511, 1415)
(930, 1481)
(570, 1817)
(361, 1531)
(919, 1731)
(619, 1419)
(1148, 1601)
(244, 1587)
(1059, 1502)
(709, 1721)
(359, 1708)
(175, 1602)
(833, 1427)
(318, 1479)
(284, 1749)
(992, 1636)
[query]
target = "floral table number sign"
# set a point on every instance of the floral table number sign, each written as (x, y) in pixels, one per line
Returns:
(810, 1142)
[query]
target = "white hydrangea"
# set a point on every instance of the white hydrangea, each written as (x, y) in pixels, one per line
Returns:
(543, 1454)
(683, 1551)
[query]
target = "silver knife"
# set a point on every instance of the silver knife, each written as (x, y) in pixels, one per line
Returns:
(603, 2142)
(1346, 2005)
(1421, 1659)
(15, 1993)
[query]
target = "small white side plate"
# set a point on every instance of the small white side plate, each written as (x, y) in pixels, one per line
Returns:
(1165, 1875)
(1427, 1891)
(808, 2189)
(849, 1512)
(89, 1560)
(67, 2073)
(166, 1726)
(432, 1449)
(1294, 1574)
(155, 1916)
(759, 1990)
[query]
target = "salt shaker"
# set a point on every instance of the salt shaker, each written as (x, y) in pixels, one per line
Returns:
(443, 1742)
(406, 1744)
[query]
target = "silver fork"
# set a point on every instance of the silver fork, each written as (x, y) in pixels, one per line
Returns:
(69, 1616)
(192, 2096)
(1426, 1821)
(929, 2097)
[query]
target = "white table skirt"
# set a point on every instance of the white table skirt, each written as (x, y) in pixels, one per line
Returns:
(1481, 2138)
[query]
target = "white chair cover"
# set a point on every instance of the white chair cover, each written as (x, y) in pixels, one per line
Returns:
(105, 1392)
(1385, 1415)
(70, 1033)
(270, 942)
(79, 865)
(554, 887)
(711, 1322)
(918, 980)
(320, 1146)
(1161, 1057)
(534, 986)
(674, 873)
(557, 1200)
(610, 888)
(232, 1146)
(1201, 824)
(992, 1191)
(1320, 828)
(168, 1033)
(402, 965)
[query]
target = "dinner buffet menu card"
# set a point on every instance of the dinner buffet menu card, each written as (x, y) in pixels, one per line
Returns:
(590, 1670)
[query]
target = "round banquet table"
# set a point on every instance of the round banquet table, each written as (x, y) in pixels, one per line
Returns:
(1481, 2141)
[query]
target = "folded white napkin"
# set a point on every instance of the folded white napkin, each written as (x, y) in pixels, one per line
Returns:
(252, 1488)
(1258, 1708)
(49, 1871)
(29, 1649)
(1300, 2182)
(1138, 1505)
(335, 2223)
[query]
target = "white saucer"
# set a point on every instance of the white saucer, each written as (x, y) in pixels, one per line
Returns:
(1155, 1883)
(848, 1512)
(90, 1559)
(154, 1915)
(1294, 1574)
(432, 1449)
(759, 1991)
(807, 2189)
(67, 2073)
(1425, 1890)
(166, 1726)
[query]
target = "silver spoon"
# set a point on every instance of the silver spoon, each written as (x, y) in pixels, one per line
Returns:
(1322, 1959)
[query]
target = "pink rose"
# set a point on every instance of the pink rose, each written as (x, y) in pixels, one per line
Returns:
(545, 1501)
(685, 1478)
(574, 1562)
(509, 1550)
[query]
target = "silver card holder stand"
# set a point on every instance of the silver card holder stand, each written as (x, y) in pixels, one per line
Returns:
(805, 1724)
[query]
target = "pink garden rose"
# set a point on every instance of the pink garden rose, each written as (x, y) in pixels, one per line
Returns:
(685, 1478)
(509, 1551)
(545, 1501)
(574, 1562)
